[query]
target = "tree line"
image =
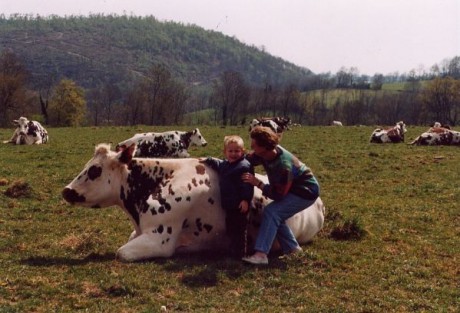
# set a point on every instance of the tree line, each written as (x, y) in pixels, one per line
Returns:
(159, 98)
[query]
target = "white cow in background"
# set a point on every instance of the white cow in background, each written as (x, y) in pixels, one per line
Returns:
(28, 133)
(169, 144)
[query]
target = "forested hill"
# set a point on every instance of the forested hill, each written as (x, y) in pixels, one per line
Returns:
(102, 48)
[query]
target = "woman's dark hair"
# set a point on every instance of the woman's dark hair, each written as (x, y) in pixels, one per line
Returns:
(265, 137)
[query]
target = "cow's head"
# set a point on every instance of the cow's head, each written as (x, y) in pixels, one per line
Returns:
(96, 185)
(402, 127)
(197, 139)
(255, 122)
(24, 130)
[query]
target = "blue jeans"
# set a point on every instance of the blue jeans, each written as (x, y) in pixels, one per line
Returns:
(273, 223)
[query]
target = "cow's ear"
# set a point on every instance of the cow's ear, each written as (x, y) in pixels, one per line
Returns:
(126, 154)
(15, 122)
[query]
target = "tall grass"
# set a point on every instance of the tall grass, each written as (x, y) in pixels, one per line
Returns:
(394, 207)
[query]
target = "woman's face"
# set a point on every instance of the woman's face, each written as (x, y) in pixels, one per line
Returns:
(258, 150)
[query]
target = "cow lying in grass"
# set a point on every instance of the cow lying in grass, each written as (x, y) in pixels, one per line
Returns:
(438, 136)
(170, 144)
(394, 134)
(28, 133)
(173, 204)
(276, 124)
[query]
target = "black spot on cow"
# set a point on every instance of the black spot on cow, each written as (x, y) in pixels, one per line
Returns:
(194, 182)
(211, 200)
(141, 186)
(160, 229)
(178, 199)
(207, 227)
(164, 203)
(188, 198)
(94, 172)
(198, 224)
(185, 224)
(169, 230)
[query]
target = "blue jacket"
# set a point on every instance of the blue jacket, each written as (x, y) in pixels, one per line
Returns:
(232, 188)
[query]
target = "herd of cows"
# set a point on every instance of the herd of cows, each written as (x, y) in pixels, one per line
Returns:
(436, 135)
(173, 201)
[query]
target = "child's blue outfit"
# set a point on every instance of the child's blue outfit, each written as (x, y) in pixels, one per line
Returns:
(232, 191)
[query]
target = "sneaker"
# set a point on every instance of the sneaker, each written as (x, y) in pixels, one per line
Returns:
(255, 260)
(295, 250)
(291, 253)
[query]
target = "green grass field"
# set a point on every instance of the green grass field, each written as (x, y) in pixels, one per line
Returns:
(405, 199)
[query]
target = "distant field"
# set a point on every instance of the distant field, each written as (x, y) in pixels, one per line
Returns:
(58, 258)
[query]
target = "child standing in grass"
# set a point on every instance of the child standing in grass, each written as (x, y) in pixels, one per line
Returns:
(235, 194)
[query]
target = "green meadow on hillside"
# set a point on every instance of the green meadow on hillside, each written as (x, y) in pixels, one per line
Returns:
(401, 203)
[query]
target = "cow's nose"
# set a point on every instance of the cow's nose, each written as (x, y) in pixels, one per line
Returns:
(204, 145)
(71, 196)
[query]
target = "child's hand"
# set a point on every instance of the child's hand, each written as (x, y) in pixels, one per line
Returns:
(244, 206)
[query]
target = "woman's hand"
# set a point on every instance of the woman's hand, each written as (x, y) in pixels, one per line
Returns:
(244, 206)
(251, 179)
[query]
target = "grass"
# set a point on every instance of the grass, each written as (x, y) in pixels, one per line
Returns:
(394, 207)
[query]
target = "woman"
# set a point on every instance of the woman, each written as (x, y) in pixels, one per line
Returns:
(292, 186)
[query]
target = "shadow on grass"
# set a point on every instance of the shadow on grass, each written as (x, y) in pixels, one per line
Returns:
(205, 269)
(52, 261)
(200, 269)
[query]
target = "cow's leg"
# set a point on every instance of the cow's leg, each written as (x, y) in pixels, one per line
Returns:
(133, 235)
(183, 154)
(146, 246)
(12, 140)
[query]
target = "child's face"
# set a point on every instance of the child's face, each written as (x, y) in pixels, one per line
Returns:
(233, 152)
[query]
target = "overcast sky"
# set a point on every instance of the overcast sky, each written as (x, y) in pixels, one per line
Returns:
(375, 36)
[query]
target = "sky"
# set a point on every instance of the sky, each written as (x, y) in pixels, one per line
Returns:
(373, 36)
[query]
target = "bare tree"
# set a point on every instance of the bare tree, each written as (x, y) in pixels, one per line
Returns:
(156, 82)
(442, 98)
(12, 86)
(232, 95)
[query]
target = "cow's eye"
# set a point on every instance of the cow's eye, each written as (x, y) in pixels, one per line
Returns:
(94, 172)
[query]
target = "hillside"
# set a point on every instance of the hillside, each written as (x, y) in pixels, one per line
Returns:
(102, 48)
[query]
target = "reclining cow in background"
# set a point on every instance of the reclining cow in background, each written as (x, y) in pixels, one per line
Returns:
(438, 136)
(173, 204)
(389, 135)
(170, 144)
(28, 133)
(277, 124)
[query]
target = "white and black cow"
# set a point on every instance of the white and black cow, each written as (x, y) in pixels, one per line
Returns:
(438, 136)
(277, 124)
(170, 144)
(173, 204)
(394, 134)
(28, 133)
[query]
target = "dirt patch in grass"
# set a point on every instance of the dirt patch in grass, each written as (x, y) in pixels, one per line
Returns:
(82, 243)
(19, 189)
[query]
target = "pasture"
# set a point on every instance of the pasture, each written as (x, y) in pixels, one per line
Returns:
(391, 241)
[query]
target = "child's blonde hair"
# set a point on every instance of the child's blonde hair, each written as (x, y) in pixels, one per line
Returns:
(233, 139)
